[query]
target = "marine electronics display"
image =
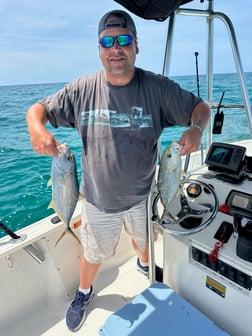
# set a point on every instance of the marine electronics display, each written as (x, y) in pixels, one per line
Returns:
(225, 157)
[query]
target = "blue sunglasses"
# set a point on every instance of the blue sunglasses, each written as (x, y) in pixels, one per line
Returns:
(122, 40)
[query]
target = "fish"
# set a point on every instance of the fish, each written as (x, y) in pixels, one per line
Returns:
(168, 181)
(65, 188)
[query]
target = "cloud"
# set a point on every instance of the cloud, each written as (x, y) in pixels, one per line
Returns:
(51, 41)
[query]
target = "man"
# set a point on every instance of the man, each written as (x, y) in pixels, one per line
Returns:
(120, 113)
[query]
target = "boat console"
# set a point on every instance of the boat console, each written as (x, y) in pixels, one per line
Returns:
(211, 264)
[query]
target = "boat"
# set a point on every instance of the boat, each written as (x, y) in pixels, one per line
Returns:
(205, 250)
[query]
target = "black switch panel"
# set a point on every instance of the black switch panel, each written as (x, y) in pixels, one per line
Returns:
(240, 278)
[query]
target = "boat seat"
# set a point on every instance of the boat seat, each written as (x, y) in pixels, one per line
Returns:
(159, 311)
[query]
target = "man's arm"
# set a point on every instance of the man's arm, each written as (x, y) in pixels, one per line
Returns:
(191, 138)
(41, 139)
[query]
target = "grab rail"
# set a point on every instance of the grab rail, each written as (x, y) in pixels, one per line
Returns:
(209, 14)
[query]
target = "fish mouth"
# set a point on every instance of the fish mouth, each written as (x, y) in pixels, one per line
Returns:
(176, 147)
(62, 148)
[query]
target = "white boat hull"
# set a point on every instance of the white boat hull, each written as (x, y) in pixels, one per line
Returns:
(36, 294)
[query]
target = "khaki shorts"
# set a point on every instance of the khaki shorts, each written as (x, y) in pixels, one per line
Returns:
(101, 231)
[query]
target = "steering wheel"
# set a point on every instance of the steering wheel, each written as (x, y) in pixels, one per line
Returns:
(193, 208)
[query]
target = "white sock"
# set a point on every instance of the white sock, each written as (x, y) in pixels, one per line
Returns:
(143, 264)
(84, 290)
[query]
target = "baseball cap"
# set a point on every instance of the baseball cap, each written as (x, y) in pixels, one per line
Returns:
(116, 18)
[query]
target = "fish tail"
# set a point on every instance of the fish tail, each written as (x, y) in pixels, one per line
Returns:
(61, 236)
(74, 235)
(69, 230)
(167, 216)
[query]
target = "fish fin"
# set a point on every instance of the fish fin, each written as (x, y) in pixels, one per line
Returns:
(80, 197)
(74, 235)
(51, 205)
(168, 218)
(182, 174)
(49, 183)
(69, 230)
(179, 192)
(60, 237)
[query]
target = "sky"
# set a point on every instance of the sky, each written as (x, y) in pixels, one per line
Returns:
(45, 41)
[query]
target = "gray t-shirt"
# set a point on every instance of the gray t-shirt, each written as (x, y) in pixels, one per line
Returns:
(120, 127)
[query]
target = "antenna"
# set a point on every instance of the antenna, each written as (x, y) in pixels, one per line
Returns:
(218, 118)
(187, 159)
(197, 72)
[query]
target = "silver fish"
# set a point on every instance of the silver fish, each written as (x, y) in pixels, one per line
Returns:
(65, 187)
(169, 174)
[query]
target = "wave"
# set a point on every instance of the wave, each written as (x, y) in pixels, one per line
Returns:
(24, 174)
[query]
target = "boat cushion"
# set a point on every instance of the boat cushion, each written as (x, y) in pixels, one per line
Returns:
(159, 311)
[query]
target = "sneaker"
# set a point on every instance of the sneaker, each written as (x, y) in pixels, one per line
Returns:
(145, 270)
(76, 314)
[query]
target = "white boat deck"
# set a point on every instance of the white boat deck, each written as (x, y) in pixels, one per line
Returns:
(35, 296)
(114, 287)
(122, 285)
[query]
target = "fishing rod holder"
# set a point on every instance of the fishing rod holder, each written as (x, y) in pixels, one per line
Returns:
(15, 239)
(20, 239)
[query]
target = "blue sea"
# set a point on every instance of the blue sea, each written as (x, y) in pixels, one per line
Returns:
(24, 194)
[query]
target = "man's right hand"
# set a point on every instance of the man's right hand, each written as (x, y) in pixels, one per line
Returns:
(44, 143)
(41, 139)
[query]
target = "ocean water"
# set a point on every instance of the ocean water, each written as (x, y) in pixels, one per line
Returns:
(24, 194)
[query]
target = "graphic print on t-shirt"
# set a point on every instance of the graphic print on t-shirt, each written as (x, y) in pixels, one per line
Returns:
(134, 119)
